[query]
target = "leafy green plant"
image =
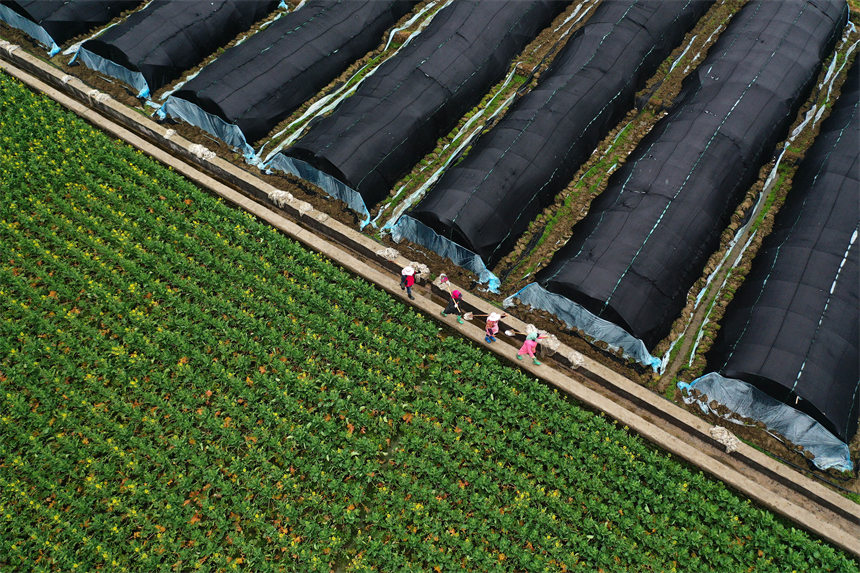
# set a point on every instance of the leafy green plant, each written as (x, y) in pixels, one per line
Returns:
(181, 387)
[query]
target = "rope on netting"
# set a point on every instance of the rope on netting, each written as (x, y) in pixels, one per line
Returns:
(575, 140)
(698, 160)
(453, 94)
(811, 118)
(777, 255)
(530, 121)
(851, 243)
(330, 101)
(505, 105)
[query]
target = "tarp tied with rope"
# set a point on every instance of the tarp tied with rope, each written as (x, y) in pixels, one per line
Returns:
(647, 237)
(792, 328)
(153, 46)
(396, 117)
(516, 169)
(256, 84)
(53, 22)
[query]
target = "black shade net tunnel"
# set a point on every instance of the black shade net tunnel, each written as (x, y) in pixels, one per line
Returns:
(645, 240)
(53, 22)
(251, 87)
(514, 171)
(396, 116)
(153, 46)
(792, 328)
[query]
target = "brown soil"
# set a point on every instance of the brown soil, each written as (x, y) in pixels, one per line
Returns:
(526, 259)
(118, 90)
(537, 53)
(15, 36)
(534, 59)
(677, 369)
(305, 191)
(125, 95)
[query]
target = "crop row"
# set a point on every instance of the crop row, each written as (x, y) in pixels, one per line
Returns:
(183, 387)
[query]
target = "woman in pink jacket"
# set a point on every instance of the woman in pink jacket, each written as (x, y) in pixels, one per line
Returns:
(529, 346)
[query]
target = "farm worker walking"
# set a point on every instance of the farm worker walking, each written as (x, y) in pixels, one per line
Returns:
(529, 346)
(492, 326)
(407, 280)
(454, 305)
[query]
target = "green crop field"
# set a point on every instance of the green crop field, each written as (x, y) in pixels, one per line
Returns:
(182, 387)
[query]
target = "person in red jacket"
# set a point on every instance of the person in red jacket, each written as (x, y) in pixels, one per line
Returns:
(407, 281)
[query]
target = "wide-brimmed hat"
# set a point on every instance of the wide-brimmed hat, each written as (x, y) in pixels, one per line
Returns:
(494, 317)
(408, 271)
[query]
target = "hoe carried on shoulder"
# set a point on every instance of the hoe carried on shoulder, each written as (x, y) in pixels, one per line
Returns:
(443, 279)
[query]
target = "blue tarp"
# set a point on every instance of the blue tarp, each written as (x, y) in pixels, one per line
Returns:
(749, 402)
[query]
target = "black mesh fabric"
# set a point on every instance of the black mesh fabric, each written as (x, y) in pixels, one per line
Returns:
(397, 115)
(516, 169)
(646, 239)
(792, 327)
(261, 81)
(166, 38)
(64, 19)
